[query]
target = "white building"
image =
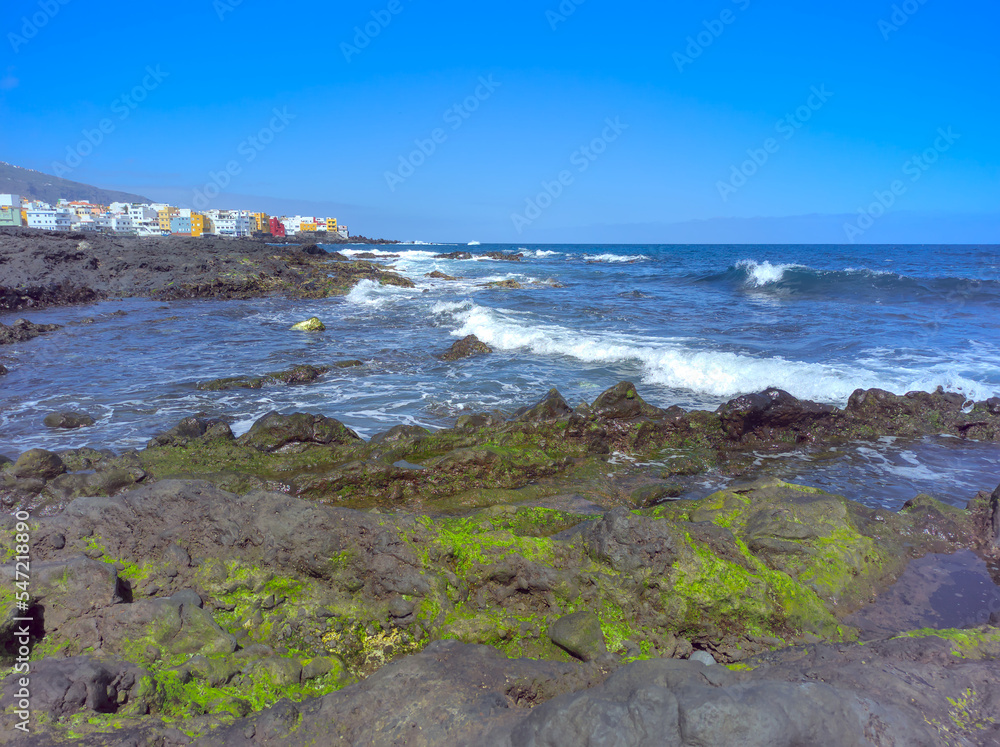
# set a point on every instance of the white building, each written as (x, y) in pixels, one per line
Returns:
(122, 223)
(139, 213)
(230, 222)
(51, 219)
(42, 219)
(100, 222)
(10, 201)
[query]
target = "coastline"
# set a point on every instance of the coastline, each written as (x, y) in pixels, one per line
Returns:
(261, 587)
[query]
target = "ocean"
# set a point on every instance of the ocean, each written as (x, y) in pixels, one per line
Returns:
(690, 325)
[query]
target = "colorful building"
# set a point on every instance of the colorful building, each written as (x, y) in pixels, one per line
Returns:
(11, 216)
(180, 225)
(304, 226)
(197, 224)
(165, 214)
(260, 222)
(277, 228)
(331, 225)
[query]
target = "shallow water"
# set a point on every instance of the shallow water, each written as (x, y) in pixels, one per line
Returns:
(935, 591)
(692, 326)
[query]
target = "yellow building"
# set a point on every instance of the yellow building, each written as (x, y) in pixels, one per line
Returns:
(331, 225)
(261, 222)
(165, 215)
(307, 227)
(197, 224)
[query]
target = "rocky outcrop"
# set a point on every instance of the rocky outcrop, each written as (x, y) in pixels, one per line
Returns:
(43, 268)
(22, 330)
(301, 374)
(274, 430)
(67, 420)
(466, 348)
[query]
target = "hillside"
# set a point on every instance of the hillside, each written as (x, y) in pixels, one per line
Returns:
(38, 186)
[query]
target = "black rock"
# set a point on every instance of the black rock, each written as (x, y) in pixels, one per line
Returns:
(772, 408)
(549, 408)
(68, 420)
(466, 348)
(274, 430)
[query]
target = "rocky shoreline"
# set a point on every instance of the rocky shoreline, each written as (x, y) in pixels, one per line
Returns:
(45, 268)
(292, 584)
(538, 577)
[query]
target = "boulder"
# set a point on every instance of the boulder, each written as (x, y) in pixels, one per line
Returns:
(580, 635)
(549, 408)
(504, 285)
(466, 348)
(438, 275)
(193, 429)
(3, 370)
(39, 464)
(309, 325)
(454, 255)
(622, 402)
(68, 420)
(274, 430)
(772, 408)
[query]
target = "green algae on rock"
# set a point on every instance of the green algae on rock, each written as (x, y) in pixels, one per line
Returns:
(309, 325)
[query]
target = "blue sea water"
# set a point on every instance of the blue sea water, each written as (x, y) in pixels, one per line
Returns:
(690, 325)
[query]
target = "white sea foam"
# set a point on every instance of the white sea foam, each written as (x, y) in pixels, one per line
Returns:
(370, 294)
(615, 257)
(685, 364)
(760, 274)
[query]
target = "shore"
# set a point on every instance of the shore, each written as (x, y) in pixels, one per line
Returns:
(47, 268)
(528, 577)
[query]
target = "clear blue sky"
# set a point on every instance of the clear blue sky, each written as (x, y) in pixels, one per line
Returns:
(685, 121)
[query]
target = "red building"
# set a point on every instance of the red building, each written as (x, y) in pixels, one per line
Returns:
(277, 227)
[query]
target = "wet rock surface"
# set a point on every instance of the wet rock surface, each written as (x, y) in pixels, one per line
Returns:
(466, 348)
(302, 585)
(68, 420)
(22, 330)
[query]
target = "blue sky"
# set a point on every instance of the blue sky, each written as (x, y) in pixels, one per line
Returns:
(728, 118)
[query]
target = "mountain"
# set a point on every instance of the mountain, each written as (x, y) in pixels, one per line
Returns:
(38, 186)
